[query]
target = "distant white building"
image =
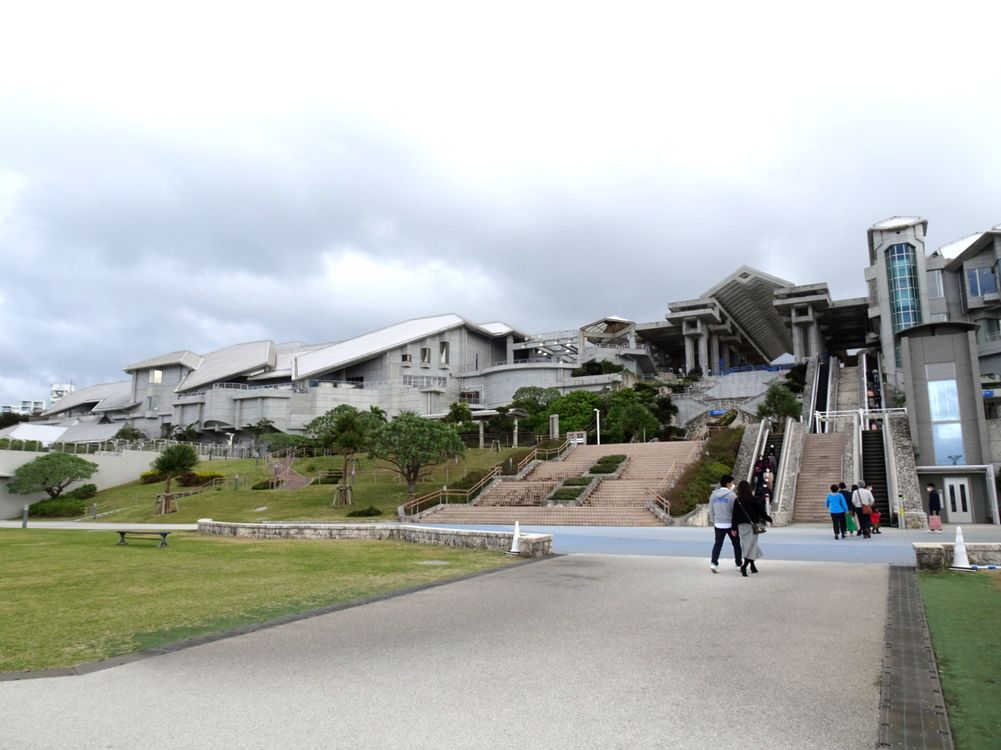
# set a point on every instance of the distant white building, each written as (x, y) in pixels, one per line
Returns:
(26, 407)
(421, 365)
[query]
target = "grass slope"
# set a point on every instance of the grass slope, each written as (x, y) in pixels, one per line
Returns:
(964, 613)
(374, 486)
(75, 596)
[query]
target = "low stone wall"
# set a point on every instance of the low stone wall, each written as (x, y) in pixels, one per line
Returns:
(938, 556)
(532, 545)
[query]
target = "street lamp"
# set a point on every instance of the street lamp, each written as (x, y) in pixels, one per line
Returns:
(597, 415)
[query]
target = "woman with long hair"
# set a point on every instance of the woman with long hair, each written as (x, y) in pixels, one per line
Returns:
(747, 511)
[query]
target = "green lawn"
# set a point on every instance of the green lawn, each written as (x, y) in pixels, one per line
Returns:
(964, 616)
(75, 596)
(373, 486)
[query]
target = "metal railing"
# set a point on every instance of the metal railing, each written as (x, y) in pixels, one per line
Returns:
(545, 454)
(445, 496)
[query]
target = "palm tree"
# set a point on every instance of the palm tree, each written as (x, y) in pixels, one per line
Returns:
(174, 460)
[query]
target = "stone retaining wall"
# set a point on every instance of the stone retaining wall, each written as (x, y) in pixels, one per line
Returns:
(532, 545)
(938, 556)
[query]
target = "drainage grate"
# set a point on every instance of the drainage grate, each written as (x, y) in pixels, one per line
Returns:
(912, 710)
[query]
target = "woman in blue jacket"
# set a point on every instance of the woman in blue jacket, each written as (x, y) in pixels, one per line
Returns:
(837, 507)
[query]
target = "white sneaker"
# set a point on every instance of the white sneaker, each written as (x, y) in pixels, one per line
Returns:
(714, 567)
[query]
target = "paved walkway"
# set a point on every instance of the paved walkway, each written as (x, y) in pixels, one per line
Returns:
(581, 651)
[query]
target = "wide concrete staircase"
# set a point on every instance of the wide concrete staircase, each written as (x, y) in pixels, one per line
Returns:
(848, 389)
(650, 467)
(516, 493)
(820, 467)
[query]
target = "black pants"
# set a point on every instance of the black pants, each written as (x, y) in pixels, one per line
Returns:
(734, 538)
(864, 522)
(840, 524)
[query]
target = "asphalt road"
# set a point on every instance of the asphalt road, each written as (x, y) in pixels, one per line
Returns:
(581, 651)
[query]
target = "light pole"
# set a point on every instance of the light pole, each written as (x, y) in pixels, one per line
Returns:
(597, 415)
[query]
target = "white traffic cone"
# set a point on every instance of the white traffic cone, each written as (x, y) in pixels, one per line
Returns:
(959, 559)
(515, 541)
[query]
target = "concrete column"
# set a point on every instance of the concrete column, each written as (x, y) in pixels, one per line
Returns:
(714, 352)
(510, 352)
(481, 423)
(726, 356)
(704, 353)
(797, 343)
(814, 346)
(689, 354)
(514, 437)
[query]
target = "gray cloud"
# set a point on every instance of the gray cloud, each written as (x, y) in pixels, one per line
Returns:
(121, 239)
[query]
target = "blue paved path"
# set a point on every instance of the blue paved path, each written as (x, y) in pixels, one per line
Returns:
(808, 542)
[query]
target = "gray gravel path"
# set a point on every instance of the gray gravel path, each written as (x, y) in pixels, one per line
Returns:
(574, 652)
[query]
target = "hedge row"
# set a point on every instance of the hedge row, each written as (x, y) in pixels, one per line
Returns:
(698, 480)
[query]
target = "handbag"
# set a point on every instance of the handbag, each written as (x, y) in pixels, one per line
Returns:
(866, 510)
(757, 528)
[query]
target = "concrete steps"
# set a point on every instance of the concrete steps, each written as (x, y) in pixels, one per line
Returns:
(516, 493)
(848, 389)
(615, 502)
(555, 516)
(819, 468)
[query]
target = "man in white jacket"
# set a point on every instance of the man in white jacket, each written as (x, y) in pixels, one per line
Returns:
(721, 517)
(863, 496)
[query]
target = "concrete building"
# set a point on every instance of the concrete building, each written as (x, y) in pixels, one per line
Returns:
(928, 320)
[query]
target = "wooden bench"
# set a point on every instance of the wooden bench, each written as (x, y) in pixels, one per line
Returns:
(132, 533)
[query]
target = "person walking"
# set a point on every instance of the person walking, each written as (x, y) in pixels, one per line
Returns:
(747, 511)
(934, 508)
(721, 517)
(862, 501)
(837, 507)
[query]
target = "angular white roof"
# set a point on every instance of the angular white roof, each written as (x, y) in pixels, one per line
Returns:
(895, 222)
(285, 354)
(103, 395)
(955, 248)
(363, 347)
(44, 434)
(497, 328)
(185, 358)
(232, 361)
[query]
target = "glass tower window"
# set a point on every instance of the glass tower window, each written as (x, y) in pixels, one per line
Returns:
(946, 429)
(981, 281)
(905, 298)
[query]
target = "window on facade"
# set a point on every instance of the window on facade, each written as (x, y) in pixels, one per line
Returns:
(988, 329)
(155, 376)
(406, 358)
(935, 287)
(443, 353)
(469, 397)
(946, 429)
(981, 281)
(426, 355)
(902, 278)
(152, 402)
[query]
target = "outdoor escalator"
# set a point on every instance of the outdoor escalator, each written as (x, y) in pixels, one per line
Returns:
(874, 469)
(823, 376)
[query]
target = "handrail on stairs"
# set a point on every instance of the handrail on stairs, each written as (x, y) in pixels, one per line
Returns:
(444, 496)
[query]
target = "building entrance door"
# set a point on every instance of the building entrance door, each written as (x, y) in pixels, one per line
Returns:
(958, 508)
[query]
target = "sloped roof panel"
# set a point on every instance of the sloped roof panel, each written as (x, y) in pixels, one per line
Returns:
(747, 296)
(184, 358)
(44, 434)
(119, 392)
(285, 354)
(230, 362)
(368, 345)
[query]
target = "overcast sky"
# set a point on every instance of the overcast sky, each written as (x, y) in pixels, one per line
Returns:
(201, 174)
